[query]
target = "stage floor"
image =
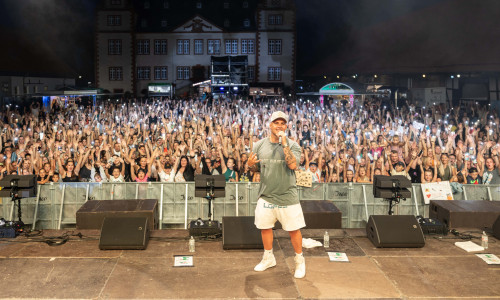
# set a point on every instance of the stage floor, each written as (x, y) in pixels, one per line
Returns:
(78, 269)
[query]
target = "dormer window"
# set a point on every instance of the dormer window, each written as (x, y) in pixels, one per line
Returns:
(226, 5)
(245, 4)
(246, 23)
(146, 5)
(226, 23)
(198, 5)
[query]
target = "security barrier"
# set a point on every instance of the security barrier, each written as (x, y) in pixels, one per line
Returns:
(56, 204)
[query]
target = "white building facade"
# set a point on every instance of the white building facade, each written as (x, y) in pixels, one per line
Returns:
(151, 42)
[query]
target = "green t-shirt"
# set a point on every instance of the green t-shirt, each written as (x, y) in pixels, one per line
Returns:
(277, 180)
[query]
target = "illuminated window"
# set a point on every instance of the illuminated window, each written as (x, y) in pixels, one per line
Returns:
(274, 73)
(143, 73)
(183, 47)
(274, 47)
(143, 47)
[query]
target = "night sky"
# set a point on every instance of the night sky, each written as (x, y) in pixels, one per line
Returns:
(57, 36)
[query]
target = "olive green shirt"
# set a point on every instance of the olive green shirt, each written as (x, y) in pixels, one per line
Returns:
(278, 184)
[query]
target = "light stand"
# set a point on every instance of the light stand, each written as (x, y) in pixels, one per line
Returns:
(18, 187)
(208, 187)
(396, 198)
(393, 189)
(14, 193)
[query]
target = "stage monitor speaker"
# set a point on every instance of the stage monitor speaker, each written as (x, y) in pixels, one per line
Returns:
(403, 231)
(496, 228)
(126, 233)
(240, 233)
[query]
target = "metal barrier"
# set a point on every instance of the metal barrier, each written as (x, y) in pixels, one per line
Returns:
(56, 204)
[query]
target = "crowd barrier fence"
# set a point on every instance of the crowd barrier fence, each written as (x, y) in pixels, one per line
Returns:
(56, 204)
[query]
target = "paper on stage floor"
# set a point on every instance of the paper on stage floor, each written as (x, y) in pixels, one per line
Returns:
(490, 259)
(338, 256)
(469, 246)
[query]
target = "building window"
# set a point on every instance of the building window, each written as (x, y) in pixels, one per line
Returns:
(115, 73)
(226, 23)
(146, 5)
(143, 47)
(251, 73)
(274, 73)
(231, 47)
(116, 2)
(213, 47)
(226, 4)
(276, 3)
(198, 5)
(160, 47)
(114, 20)
(274, 47)
(275, 20)
(166, 4)
(245, 4)
(183, 73)
(143, 73)
(163, 23)
(161, 73)
(144, 23)
(198, 47)
(183, 47)
(247, 47)
(246, 23)
(115, 47)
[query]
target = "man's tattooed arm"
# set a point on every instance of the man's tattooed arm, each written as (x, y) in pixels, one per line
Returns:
(289, 158)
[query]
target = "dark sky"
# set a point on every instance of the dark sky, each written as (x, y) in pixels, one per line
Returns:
(62, 31)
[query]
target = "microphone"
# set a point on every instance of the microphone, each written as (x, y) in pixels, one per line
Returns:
(280, 140)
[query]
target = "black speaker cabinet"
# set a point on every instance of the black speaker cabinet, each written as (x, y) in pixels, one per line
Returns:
(240, 233)
(465, 213)
(386, 231)
(127, 233)
(496, 228)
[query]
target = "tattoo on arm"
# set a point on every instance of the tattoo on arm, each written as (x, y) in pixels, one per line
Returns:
(289, 158)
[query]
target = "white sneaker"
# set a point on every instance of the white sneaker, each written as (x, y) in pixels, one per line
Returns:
(300, 266)
(268, 261)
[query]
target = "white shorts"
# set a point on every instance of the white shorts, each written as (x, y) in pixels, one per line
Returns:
(290, 216)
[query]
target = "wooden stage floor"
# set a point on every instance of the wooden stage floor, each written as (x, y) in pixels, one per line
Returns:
(79, 270)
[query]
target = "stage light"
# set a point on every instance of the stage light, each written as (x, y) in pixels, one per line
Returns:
(458, 75)
(423, 75)
(452, 76)
(235, 88)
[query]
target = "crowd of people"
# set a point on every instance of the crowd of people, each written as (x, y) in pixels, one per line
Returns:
(158, 139)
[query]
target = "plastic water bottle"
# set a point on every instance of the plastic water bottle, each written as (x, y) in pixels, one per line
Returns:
(484, 240)
(191, 244)
(326, 240)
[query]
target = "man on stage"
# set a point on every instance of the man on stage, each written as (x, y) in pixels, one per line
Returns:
(276, 157)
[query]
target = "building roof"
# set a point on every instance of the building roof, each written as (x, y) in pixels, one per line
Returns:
(179, 12)
(450, 36)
